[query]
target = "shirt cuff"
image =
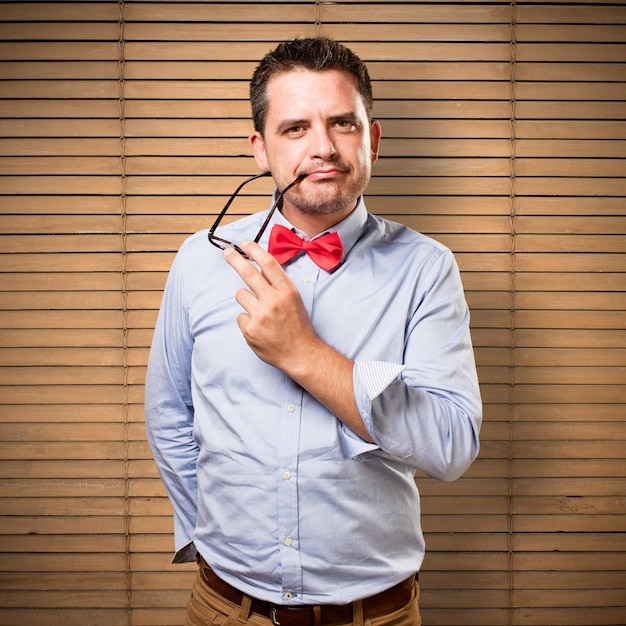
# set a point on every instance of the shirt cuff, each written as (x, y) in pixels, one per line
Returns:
(376, 376)
(186, 554)
(370, 379)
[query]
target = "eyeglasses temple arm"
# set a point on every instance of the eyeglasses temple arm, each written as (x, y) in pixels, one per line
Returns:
(232, 198)
(279, 197)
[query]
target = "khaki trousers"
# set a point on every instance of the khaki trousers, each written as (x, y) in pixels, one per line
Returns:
(207, 608)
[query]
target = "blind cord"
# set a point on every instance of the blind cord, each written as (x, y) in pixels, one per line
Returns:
(124, 289)
(318, 18)
(512, 314)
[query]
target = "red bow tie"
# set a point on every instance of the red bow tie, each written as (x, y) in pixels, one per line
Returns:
(326, 251)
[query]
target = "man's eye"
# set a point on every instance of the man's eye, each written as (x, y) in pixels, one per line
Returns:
(345, 124)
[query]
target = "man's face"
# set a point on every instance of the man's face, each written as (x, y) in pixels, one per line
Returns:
(316, 124)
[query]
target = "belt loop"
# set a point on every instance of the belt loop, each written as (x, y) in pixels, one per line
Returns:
(317, 615)
(357, 613)
(244, 609)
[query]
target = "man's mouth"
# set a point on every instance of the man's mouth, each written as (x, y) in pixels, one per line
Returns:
(325, 174)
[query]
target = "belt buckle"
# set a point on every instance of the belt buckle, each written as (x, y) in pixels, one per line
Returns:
(274, 615)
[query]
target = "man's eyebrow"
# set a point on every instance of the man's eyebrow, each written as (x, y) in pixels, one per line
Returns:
(349, 115)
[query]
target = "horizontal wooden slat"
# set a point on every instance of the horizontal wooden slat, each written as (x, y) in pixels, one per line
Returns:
(571, 110)
(59, 11)
(278, 12)
(562, 32)
(49, 70)
(547, 70)
(571, 14)
(370, 51)
(61, 128)
(65, 31)
(61, 204)
(575, 91)
(39, 51)
(571, 52)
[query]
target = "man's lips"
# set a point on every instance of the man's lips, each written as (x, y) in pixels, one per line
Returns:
(325, 174)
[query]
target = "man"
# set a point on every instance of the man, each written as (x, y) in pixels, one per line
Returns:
(288, 407)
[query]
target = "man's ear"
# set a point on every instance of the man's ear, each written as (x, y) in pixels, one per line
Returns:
(257, 143)
(375, 135)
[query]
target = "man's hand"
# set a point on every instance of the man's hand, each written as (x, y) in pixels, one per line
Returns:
(277, 327)
(276, 324)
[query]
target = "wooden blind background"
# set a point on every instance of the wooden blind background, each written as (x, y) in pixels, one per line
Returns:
(123, 128)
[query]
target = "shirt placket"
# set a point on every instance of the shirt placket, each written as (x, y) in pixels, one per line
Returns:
(304, 275)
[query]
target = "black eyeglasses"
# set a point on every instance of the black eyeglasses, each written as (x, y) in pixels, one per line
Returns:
(225, 243)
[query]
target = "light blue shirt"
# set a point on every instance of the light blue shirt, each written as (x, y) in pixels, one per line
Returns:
(281, 499)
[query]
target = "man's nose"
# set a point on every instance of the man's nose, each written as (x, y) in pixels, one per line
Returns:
(322, 146)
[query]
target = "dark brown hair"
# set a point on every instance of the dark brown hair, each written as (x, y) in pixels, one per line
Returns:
(316, 54)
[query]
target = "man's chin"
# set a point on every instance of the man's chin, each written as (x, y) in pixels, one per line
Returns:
(326, 207)
(325, 199)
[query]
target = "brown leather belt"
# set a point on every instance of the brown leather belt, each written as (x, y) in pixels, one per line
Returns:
(312, 615)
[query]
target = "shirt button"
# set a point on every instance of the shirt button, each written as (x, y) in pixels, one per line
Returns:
(286, 475)
(288, 596)
(306, 278)
(289, 542)
(291, 408)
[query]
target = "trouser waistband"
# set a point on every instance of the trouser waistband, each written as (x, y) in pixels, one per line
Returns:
(387, 601)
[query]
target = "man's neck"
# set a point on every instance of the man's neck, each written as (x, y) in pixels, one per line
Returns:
(313, 225)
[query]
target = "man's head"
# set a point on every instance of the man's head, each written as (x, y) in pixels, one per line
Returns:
(316, 54)
(312, 104)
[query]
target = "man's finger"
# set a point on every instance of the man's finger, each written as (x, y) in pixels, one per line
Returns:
(270, 267)
(253, 278)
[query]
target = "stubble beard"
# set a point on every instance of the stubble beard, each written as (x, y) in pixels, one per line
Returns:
(327, 197)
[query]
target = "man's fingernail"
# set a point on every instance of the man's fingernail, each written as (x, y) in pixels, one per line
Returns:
(227, 251)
